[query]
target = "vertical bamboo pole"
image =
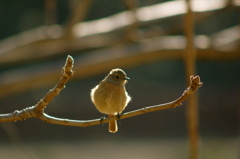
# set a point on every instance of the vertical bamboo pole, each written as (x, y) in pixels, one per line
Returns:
(190, 64)
(78, 14)
(50, 11)
(131, 30)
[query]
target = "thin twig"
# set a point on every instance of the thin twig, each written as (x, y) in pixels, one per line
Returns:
(38, 110)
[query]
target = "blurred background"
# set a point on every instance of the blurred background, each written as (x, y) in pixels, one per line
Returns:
(147, 39)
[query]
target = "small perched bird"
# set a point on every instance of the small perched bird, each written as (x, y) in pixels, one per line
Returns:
(110, 96)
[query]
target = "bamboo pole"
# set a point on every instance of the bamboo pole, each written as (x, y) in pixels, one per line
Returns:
(78, 14)
(190, 64)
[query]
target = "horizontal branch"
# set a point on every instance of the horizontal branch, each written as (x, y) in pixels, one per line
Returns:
(37, 111)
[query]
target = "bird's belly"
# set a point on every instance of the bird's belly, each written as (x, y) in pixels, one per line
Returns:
(110, 99)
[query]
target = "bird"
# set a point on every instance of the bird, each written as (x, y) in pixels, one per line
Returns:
(110, 96)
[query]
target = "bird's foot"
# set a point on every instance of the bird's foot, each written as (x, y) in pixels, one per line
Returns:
(101, 119)
(118, 118)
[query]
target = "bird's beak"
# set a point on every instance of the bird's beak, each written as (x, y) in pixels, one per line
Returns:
(127, 78)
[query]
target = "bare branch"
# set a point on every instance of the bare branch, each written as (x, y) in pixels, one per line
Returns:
(67, 73)
(195, 83)
(38, 110)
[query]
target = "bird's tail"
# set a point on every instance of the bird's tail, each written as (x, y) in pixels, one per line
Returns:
(112, 125)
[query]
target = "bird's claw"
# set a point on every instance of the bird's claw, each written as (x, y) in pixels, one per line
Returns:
(101, 119)
(118, 117)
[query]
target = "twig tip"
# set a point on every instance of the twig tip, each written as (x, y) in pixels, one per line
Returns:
(70, 58)
(195, 82)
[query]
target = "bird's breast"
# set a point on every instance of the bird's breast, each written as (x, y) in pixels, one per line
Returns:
(109, 98)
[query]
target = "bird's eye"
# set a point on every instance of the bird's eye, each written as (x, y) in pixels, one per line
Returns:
(117, 76)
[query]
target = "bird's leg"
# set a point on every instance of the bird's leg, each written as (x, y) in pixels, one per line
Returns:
(101, 119)
(119, 117)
